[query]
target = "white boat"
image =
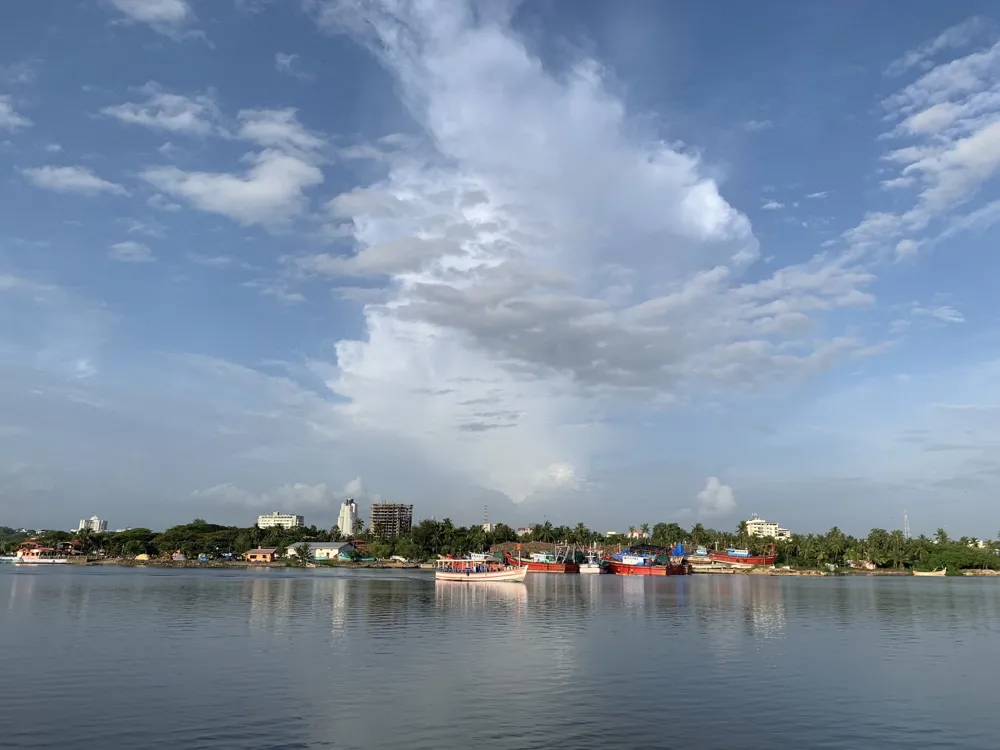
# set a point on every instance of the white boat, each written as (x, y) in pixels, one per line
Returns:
(592, 564)
(477, 568)
(935, 573)
(41, 561)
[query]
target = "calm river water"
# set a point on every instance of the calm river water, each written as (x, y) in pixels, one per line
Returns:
(187, 659)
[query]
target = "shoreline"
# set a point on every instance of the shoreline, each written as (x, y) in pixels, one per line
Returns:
(425, 567)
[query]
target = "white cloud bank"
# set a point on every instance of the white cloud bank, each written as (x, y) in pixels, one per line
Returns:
(80, 180)
(716, 500)
(544, 261)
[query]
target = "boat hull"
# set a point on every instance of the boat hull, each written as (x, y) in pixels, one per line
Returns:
(42, 561)
(931, 573)
(545, 567)
(591, 568)
(628, 569)
(738, 561)
(510, 575)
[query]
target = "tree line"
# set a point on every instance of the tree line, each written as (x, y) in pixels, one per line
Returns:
(429, 538)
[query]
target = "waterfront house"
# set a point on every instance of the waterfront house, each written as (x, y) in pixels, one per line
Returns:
(324, 550)
(265, 555)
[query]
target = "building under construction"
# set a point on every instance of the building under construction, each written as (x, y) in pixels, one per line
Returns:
(389, 520)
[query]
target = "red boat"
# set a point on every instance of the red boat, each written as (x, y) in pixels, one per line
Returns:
(642, 563)
(544, 562)
(741, 558)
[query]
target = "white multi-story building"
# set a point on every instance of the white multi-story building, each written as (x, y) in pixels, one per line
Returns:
(280, 520)
(757, 526)
(93, 523)
(348, 517)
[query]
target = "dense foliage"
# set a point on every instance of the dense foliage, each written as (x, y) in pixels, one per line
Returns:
(881, 548)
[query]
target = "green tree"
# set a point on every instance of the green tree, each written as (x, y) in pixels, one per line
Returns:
(303, 554)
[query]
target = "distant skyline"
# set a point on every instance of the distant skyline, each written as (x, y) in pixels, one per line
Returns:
(603, 262)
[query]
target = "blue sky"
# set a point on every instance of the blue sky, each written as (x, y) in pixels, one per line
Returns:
(617, 263)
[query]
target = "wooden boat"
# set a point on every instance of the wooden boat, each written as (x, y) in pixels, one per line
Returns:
(929, 573)
(478, 568)
(741, 558)
(644, 563)
(544, 562)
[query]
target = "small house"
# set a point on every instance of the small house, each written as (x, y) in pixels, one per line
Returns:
(265, 555)
(324, 550)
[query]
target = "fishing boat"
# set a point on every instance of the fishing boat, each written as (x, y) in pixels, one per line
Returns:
(37, 555)
(592, 564)
(478, 568)
(741, 558)
(929, 573)
(644, 562)
(544, 562)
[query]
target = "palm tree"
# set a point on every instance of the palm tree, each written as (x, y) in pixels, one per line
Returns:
(741, 532)
(303, 554)
(644, 528)
(631, 531)
(359, 526)
(942, 536)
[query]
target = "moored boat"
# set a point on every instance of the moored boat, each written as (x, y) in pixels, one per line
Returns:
(544, 562)
(928, 573)
(593, 564)
(33, 554)
(741, 558)
(478, 567)
(631, 562)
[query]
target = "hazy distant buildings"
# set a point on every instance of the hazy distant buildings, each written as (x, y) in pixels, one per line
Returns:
(348, 517)
(93, 524)
(391, 519)
(280, 520)
(758, 527)
(524, 530)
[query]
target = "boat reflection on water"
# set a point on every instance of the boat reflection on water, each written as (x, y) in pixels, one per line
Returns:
(474, 596)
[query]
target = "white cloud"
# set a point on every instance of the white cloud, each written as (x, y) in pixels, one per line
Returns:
(955, 37)
(163, 204)
(21, 73)
(279, 129)
(716, 500)
(820, 194)
(271, 192)
(943, 313)
(543, 260)
(906, 249)
(772, 206)
(131, 252)
(756, 126)
(79, 180)
(53, 148)
(168, 17)
(172, 113)
(949, 119)
(10, 120)
(291, 65)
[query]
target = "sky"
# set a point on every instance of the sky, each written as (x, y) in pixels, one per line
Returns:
(563, 260)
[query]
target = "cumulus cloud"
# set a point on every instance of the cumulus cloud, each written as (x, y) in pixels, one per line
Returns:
(279, 129)
(543, 260)
(131, 252)
(172, 113)
(957, 36)
(716, 500)
(80, 180)
(270, 193)
(772, 206)
(10, 120)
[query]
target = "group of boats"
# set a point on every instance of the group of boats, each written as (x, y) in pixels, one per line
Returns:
(641, 560)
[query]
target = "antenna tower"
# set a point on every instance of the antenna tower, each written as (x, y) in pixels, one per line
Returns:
(906, 525)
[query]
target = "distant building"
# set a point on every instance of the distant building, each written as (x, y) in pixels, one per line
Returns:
(265, 555)
(280, 520)
(758, 527)
(93, 523)
(524, 530)
(348, 517)
(638, 534)
(488, 527)
(391, 519)
(325, 550)
(611, 533)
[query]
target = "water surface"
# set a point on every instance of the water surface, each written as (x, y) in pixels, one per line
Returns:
(187, 659)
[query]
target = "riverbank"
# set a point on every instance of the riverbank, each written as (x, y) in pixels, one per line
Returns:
(243, 564)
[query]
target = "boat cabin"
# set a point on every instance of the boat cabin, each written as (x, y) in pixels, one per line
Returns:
(474, 563)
